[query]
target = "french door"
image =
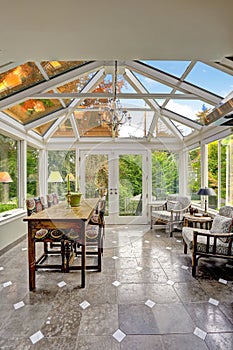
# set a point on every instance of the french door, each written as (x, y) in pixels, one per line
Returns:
(122, 177)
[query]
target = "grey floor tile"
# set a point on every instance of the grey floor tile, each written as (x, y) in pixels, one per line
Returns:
(169, 324)
(209, 317)
(219, 341)
(183, 342)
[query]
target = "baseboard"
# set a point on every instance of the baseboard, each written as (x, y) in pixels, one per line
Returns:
(13, 244)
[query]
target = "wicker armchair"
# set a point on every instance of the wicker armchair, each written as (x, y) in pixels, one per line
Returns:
(171, 212)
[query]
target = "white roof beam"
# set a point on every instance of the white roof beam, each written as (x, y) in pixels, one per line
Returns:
(44, 120)
(172, 81)
(45, 75)
(89, 87)
(139, 87)
(74, 126)
(47, 85)
(90, 95)
(183, 76)
(180, 119)
(54, 127)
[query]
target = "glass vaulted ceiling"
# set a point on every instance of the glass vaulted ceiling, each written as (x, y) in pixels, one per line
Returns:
(58, 99)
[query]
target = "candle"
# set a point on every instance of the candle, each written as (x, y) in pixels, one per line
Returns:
(77, 184)
(68, 183)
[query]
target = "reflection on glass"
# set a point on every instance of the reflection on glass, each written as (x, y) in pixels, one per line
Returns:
(130, 185)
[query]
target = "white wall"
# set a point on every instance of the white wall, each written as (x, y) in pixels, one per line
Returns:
(12, 231)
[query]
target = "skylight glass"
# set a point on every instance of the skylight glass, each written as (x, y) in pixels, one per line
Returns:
(211, 79)
(153, 86)
(190, 109)
(54, 68)
(176, 68)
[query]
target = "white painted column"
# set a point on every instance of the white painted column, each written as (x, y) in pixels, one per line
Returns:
(43, 172)
(204, 171)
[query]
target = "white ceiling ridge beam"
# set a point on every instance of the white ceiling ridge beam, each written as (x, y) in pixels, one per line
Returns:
(131, 95)
(52, 83)
(181, 119)
(130, 109)
(74, 126)
(172, 81)
(54, 128)
(44, 120)
(88, 88)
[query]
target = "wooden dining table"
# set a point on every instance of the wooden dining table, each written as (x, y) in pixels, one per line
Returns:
(59, 218)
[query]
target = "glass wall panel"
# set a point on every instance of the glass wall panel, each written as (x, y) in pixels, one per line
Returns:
(165, 175)
(226, 166)
(8, 173)
(194, 173)
(213, 173)
(32, 172)
(60, 164)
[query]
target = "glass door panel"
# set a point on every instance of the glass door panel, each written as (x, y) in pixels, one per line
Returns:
(130, 185)
(96, 176)
(120, 176)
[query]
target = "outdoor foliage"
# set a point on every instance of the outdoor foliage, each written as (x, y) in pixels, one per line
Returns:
(165, 179)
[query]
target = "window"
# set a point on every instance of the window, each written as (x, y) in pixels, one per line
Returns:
(194, 173)
(220, 170)
(63, 163)
(165, 176)
(8, 174)
(32, 172)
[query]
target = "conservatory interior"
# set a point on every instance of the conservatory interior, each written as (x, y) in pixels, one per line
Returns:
(137, 128)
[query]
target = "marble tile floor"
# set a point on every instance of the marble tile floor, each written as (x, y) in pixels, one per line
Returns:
(145, 297)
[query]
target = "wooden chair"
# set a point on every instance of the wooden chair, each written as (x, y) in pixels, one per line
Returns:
(95, 232)
(35, 205)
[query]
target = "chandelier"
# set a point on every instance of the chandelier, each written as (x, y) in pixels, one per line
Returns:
(113, 114)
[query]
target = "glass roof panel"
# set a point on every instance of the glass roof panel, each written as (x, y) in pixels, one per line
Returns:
(41, 130)
(161, 130)
(32, 109)
(89, 124)
(153, 86)
(75, 85)
(139, 125)
(54, 68)
(190, 109)
(185, 130)
(64, 130)
(176, 68)
(19, 78)
(211, 79)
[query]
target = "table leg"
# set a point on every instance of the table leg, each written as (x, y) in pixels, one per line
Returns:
(31, 258)
(83, 267)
